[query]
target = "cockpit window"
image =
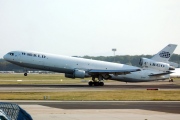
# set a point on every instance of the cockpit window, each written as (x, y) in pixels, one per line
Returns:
(2, 118)
(12, 54)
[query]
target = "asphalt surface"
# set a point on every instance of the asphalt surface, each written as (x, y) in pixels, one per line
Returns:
(65, 88)
(102, 110)
(126, 86)
(159, 106)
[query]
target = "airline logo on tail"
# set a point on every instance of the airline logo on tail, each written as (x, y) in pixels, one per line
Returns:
(164, 54)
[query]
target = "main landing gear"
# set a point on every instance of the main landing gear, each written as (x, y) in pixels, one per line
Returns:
(97, 83)
(91, 83)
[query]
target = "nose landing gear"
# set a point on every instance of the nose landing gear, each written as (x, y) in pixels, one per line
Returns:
(25, 74)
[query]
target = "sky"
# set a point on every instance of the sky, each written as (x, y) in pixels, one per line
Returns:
(89, 27)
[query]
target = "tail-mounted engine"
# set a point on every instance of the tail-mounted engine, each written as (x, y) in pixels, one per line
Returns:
(148, 63)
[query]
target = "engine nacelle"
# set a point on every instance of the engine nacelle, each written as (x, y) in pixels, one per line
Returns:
(148, 63)
(76, 74)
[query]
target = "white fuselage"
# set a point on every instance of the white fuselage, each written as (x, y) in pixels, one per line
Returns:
(66, 64)
(176, 73)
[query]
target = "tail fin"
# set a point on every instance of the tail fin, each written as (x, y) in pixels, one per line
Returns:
(165, 53)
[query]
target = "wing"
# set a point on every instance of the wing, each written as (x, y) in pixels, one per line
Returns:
(159, 74)
(115, 72)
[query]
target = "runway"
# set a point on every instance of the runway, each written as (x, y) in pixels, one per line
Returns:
(167, 106)
(101, 110)
(163, 85)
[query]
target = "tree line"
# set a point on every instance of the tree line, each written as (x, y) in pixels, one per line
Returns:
(123, 59)
(130, 60)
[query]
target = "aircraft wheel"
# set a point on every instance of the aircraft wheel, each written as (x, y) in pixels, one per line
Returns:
(96, 83)
(90, 83)
(25, 74)
(101, 83)
(171, 80)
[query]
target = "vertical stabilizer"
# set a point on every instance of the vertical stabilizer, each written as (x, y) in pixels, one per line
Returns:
(165, 53)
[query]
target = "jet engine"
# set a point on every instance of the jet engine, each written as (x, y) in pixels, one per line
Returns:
(148, 63)
(76, 74)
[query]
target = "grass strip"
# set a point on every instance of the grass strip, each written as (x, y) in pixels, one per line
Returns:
(12, 79)
(94, 95)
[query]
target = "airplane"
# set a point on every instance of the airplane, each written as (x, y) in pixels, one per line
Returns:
(175, 74)
(165, 54)
(158, 59)
(75, 67)
(162, 57)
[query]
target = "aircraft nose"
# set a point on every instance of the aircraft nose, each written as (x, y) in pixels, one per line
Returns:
(5, 56)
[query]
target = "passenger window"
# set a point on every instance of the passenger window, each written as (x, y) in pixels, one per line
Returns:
(29, 54)
(23, 53)
(43, 56)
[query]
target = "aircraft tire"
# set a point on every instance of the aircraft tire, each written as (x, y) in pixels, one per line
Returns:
(25, 74)
(171, 80)
(101, 83)
(96, 83)
(90, 83)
